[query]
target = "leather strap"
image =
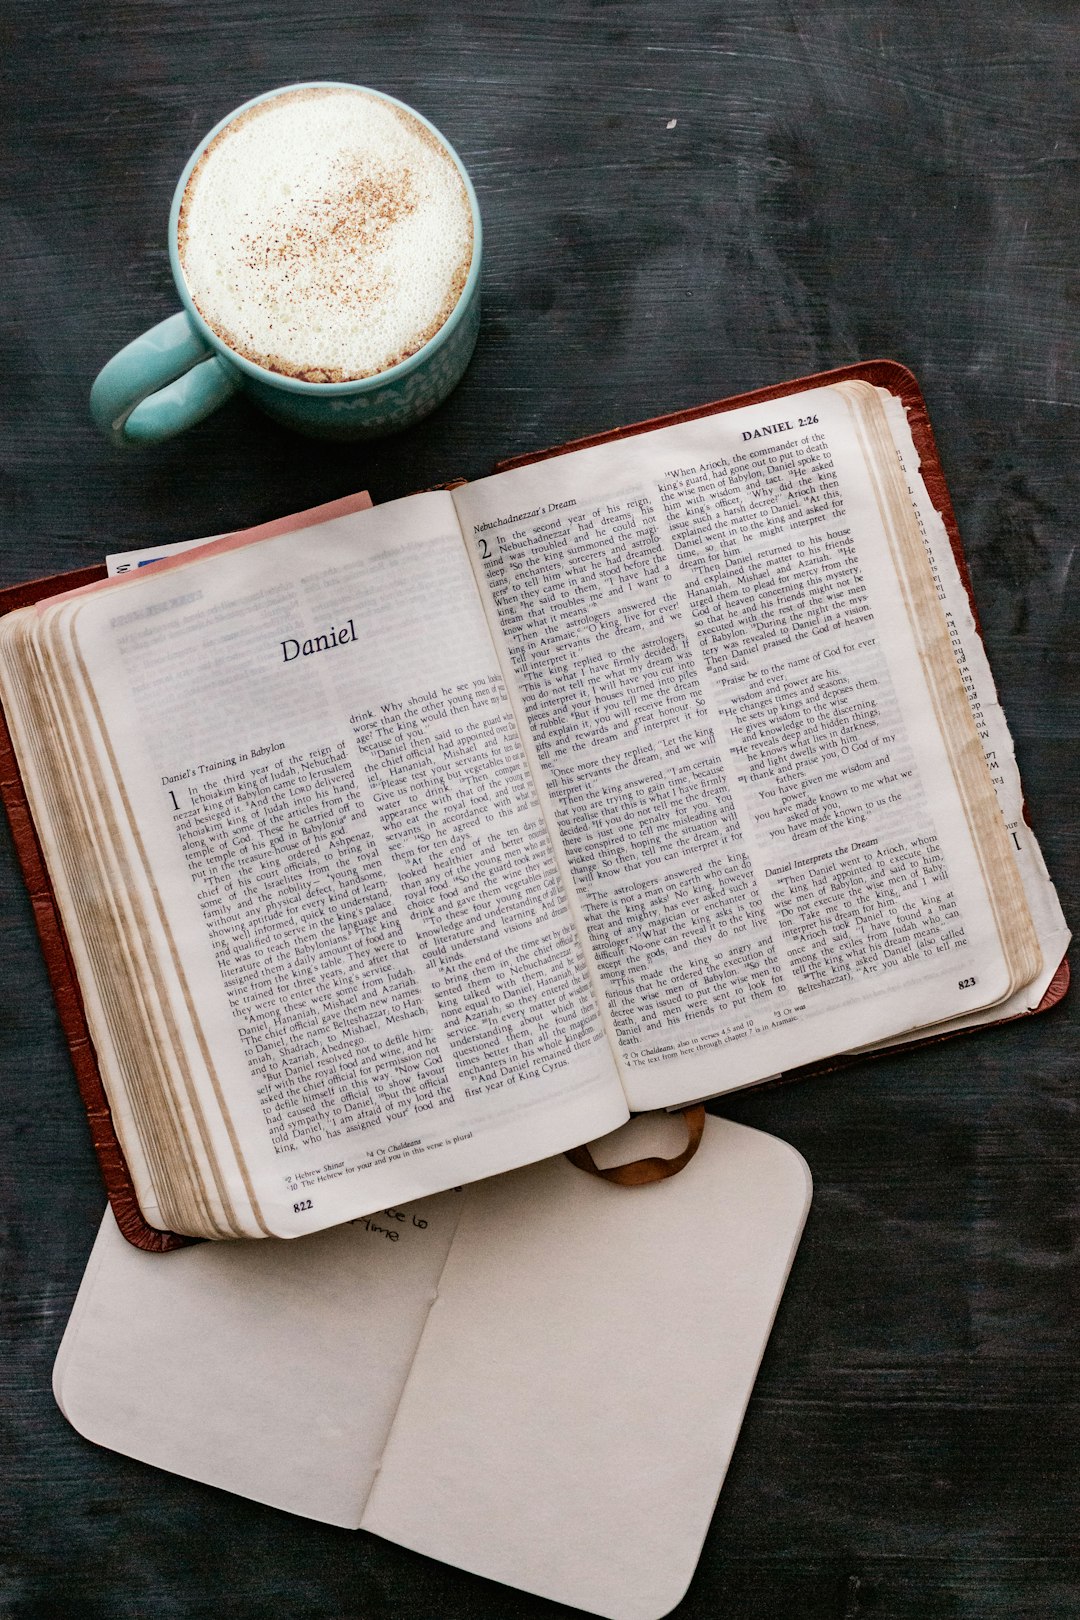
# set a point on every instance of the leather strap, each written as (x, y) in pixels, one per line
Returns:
(639, 1172)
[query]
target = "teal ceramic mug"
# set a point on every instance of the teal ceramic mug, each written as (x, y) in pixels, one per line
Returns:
(181, 370)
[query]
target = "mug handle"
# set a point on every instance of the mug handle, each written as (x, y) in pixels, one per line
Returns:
(165, 381)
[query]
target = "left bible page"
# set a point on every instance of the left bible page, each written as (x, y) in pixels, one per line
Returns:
(326, 956)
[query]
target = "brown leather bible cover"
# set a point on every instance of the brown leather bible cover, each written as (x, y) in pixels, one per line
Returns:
(886, 373)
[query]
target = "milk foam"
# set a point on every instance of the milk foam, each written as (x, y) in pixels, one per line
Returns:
(325, 234)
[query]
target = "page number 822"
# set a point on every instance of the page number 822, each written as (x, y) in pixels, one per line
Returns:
(305, 1203)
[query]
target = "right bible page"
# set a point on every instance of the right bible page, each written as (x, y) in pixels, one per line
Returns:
(729, 708)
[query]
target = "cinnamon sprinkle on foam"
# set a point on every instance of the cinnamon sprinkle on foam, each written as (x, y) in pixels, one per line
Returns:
(325, 234)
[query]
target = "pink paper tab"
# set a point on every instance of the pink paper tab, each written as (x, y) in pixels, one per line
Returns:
(229, 542)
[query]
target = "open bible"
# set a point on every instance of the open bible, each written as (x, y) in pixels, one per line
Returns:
(433, 841)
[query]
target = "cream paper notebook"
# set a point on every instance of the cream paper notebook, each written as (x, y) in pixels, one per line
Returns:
(539, 1378)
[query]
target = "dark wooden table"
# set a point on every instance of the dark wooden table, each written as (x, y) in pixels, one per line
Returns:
(681, 202)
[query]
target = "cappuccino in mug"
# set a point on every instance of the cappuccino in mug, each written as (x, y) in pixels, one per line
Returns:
(325, 234)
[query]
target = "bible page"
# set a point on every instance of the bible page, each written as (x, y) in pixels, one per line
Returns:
(726, 701)
(338, 847)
